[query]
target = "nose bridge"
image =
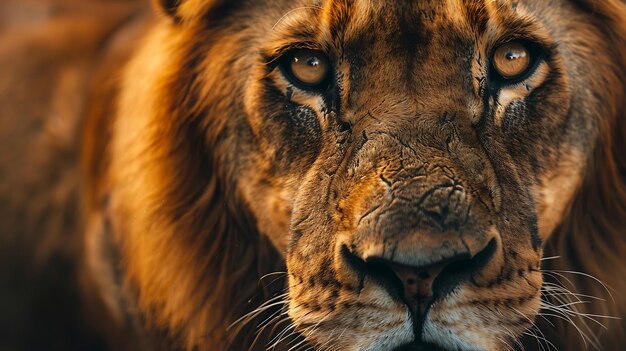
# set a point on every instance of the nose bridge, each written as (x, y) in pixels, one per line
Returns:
(407, 170)
(425, 118)
(425, 194)
(439, 198)
(430, 135)
(406, 132)
(425, 206)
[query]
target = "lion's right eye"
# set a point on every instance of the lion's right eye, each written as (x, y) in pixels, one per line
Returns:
(512, 60)
(309, 69)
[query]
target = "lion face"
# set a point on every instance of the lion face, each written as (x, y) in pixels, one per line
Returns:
(407, 160)
(420, 154)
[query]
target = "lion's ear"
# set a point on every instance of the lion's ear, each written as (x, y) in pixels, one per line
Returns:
(188, 10)
(169, 7)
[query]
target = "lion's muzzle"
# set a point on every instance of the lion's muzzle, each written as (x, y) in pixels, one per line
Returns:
(409, 219)
(420, 233)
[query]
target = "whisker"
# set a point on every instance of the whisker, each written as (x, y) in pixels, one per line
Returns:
(268, 320)
(261, 328)
(535, 327)
(272, 274)
(556, 276)
(295, 347)
(282, 336)
(567, 313)
(506, 344)
(541, 341)
(250, 316)
(293, 10)
(606, 287)
(559, 290)
(513, 338)
(569, 320)
(549, 258)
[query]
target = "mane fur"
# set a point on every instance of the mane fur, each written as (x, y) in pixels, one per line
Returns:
(213, 258)
(591, 241)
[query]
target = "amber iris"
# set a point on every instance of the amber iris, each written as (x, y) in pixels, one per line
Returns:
(511, 60)
(310, 67)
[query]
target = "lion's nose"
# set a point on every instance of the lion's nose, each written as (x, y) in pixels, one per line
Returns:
(421, 238)
(419, 285)
(414, 285)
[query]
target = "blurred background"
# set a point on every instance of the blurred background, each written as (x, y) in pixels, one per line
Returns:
(49, 51)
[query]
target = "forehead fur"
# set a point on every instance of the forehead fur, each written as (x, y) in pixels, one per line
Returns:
(340, 21)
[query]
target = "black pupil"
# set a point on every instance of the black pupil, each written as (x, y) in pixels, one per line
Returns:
(313, 61)
(512, 55)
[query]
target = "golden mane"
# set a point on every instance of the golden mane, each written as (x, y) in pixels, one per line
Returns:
(215, 257)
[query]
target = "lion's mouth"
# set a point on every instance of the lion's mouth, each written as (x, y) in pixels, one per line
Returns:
(419, 287)
(418, 346)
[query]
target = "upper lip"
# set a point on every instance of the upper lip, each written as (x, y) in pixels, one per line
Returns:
(387, 278)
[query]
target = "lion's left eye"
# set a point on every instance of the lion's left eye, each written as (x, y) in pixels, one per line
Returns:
(308, 69)
(512, 60)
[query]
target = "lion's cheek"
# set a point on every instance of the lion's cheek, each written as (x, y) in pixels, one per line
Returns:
(556, 190)
(270, 203)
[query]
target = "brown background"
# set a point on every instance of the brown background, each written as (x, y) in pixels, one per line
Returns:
(48, 53)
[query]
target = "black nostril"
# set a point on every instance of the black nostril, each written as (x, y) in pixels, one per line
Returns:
(385, 276)
(459, 271)
(375, 270)
(345, 126)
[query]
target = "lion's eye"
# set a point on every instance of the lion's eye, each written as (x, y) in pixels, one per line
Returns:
(512, 60)
(309, 68)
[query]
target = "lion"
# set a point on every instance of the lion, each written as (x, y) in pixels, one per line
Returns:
(358, 175)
